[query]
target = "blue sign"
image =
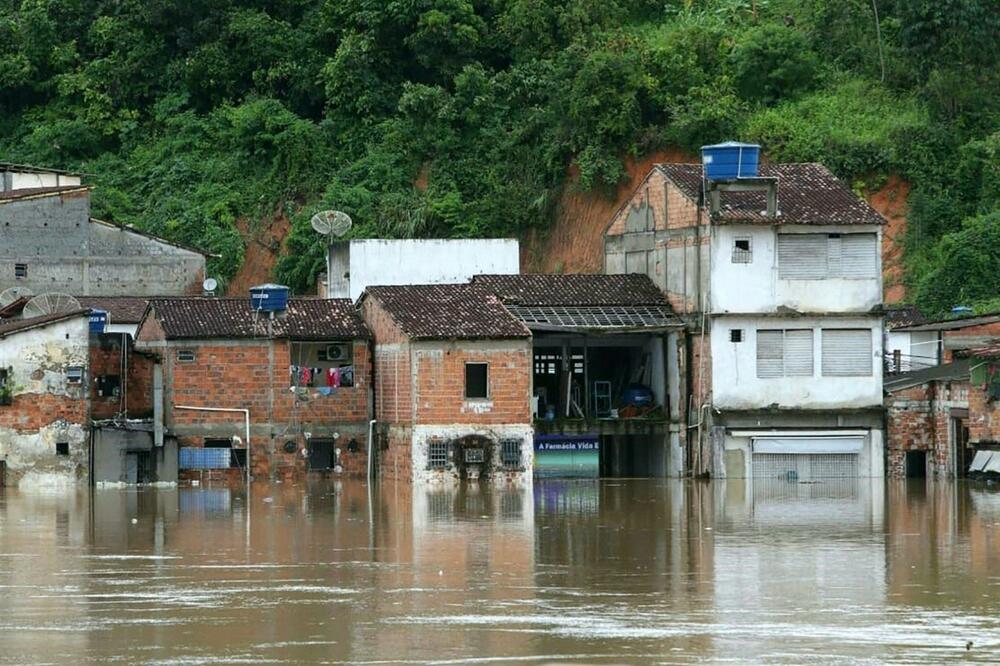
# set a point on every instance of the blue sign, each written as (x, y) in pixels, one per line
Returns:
(98, 321)
(567, 456)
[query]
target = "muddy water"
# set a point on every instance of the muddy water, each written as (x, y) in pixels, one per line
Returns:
(571, 572)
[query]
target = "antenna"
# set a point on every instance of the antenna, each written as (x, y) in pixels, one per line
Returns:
(333, 222)
(48, 303)
(11, 294)
(209, 286)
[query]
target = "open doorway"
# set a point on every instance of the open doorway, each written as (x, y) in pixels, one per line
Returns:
(322, 455)
(963, 454)
(916, 464)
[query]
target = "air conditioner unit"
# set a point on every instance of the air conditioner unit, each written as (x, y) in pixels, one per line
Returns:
(335, 353)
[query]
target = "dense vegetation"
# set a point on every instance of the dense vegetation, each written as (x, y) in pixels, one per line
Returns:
(460, 117)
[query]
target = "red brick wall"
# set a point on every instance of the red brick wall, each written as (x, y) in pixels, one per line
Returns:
(439, 369)
(984, 417)
(106, 360)
(650, 192)
(31, 411)
(919, 419)
(395, 456)
(393, 400)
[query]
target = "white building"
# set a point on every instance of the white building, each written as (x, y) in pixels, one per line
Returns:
(352, 266)
(785, 348)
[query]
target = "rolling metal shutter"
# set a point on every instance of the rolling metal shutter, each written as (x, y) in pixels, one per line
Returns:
(803, 458)
(799, 353)
(859, 256)
(770, 346)
(847, 352)
(802, 256)
(784, 353)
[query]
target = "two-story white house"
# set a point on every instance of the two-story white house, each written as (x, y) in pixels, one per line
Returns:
(779, 277)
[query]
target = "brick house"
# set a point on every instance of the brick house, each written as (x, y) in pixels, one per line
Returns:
(779, 277)
(452, 377)
(303, 375)
(44, 403)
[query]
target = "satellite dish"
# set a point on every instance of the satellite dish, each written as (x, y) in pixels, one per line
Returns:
(11, 294)
(210, 284)
(333, 222)
(48, 303)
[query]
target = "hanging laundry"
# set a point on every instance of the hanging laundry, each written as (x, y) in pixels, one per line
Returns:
(306, 376)
(331, 377)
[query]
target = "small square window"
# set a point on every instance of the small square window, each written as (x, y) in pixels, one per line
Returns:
(20, 270)
(437, 455)
(476, 380)
(74, 375)
(510, 453)
(185, 355)
(736, 335)
(742, 253)
(62, 448)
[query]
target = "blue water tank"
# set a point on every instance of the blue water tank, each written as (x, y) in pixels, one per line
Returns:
(98, 321)
(269, 297)
(730, 160)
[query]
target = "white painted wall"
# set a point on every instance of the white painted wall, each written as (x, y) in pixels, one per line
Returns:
(422, 434)
(419, 261)
(735, 384)
(25, 179)
(918, 349)
(756, 287)
(871, 457)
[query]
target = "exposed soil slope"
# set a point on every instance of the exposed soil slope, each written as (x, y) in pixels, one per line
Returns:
(263, 247)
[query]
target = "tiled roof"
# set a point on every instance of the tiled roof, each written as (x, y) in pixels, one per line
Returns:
(596, 317)
(120, 309)
(591, 289)
(306, 318)
(807, 194)
(897, 316)
(11, 326)
(446, 311)
(24, 192)
(991, 350)
(954, 324)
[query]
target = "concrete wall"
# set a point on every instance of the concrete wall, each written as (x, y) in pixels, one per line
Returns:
(13, 179)
(112, 446)
(415, 261)
(918, 349)
(734, 367)
(738, 450)
(756, 287)
(67, 251)
(46, 409)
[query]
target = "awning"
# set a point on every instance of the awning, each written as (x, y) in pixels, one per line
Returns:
(800, 444)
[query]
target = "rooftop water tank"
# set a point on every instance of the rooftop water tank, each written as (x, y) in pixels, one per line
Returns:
(269, 298)
(730, 160)
(98, 321)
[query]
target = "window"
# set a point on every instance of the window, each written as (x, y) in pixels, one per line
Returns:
(476, 381)
(741, 251)
(510, 453)
(322, 364)
(20, 270)
(437, 454)
(847, 352)
(74, 375)
(6, 388)
(107, 386)
(237, 457)
(821, 256)
(62, 448)
(785, 353)
(736, 335)
(185, 355)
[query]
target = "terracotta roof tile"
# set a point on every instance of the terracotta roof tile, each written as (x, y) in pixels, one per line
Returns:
(897, 316)
(446, 311)
(306, 318)
(120, 309)
(582, 289)
(807, 194)
(11, 326)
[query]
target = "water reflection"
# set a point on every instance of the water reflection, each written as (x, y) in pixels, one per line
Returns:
(582, 571)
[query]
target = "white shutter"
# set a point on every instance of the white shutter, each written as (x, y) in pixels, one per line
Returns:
(847, 352)
(833, 255)
(859, 255)
(769, 354)
(802, 256)
(799, 353)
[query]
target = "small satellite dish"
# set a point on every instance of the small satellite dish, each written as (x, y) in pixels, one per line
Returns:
(52, 302)
(210, 284)
(333, 222)
(11, 294)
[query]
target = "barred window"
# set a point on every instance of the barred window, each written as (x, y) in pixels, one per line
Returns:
(742, 252)
(437, 455)
(510, 453)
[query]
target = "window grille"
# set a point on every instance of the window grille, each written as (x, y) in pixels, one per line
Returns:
(742, 253)
(736, 335)
(185, 355)
(20, 270)
(74, 375)
(510, 453)
(437, 455)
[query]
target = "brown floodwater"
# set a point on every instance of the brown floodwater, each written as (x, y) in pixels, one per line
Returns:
(620, 571)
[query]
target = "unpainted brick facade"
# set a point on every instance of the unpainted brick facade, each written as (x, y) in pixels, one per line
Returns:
(921, 418)
(420, 402)
(110, 355)
(254, 374)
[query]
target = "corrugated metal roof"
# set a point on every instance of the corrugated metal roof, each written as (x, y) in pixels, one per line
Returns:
(448, 311)
(807, 194)
(209, 318)
(956, 371)
(617, 317)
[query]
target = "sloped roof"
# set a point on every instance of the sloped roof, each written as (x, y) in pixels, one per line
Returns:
(231, 318)
(898, 316)
(991, 350)
(956, 371)
(581, 289)
(120, 309)
(26, 192)
(807, 194)
(954, 324)
(448, 311)
(11, 326)
(606, 317)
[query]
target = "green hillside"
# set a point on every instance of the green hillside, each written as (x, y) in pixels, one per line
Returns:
(194, 114)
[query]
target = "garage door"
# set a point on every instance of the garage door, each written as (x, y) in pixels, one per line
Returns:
(806, 458)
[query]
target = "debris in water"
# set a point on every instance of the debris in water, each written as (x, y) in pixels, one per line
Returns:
(135, 520)
(268, 499)
(968, 645)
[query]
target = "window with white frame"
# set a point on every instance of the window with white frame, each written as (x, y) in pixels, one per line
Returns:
(742, 250)
(822, 256)
(784, 353)
(847, 352)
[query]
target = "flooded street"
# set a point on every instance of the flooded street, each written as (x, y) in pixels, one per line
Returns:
(569, 571)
